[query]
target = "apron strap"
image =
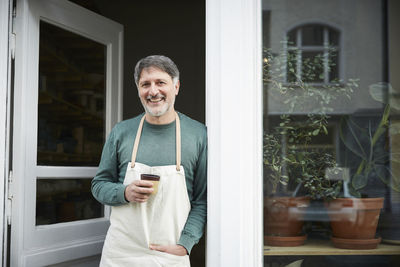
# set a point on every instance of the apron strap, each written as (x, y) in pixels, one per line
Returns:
(137, 139)
(178, 142)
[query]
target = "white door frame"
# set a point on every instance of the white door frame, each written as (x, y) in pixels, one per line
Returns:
(4, 119)
(234, 122)
(33, 245)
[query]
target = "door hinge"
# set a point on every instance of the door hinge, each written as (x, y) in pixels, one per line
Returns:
(10, 196)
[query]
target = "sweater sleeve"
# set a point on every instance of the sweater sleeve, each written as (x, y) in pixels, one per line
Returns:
(196, 221)
(106, 187)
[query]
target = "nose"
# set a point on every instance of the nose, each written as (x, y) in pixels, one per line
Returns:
(153, 89)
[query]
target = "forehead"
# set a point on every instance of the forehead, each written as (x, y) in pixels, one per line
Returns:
(153, 73)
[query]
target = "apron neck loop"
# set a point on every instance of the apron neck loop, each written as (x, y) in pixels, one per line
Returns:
(178, 142)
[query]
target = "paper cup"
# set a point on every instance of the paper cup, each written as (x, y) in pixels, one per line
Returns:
(155, 179)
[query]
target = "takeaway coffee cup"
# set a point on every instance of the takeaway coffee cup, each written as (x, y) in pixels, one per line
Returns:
(155, 179)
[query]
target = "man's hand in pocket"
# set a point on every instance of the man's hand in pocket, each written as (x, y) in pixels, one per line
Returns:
(177, 250)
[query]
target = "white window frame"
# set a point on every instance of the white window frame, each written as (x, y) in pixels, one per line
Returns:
(43, 245)
(234, 121)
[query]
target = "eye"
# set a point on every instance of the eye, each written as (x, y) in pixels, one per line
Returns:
(145, 84)
(161, 82)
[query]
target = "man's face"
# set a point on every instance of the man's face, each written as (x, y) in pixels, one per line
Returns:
(157, 92)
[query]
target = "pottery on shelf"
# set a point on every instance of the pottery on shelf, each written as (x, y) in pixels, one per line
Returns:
(283, 221)
(354, 222)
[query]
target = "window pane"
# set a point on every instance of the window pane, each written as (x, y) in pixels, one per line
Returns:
(333, 66)
(292, 38)
(331, 135)
(291, 65)
(312, 70)
(71, 98)
(333, 37)
(312, 35)
(65, 200)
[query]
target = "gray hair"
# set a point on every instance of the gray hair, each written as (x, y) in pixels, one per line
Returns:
(160, 62)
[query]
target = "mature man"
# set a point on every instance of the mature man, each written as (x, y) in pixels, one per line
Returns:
(151, 228)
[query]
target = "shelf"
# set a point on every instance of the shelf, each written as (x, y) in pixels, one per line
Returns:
(325, 247)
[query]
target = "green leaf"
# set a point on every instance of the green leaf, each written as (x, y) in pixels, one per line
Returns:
(356, 148)
(315, 132)
(378, 91)
(359, 181)
(325, 129)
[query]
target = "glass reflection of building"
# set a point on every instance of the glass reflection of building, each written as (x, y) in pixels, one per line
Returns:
(319, 47)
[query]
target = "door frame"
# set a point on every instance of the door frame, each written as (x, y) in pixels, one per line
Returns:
(43, 245)
(234, 122)
(4, 120)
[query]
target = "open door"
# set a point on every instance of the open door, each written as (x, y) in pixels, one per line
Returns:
(67, 97)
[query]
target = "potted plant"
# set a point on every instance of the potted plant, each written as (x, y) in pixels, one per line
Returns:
(355, 214)
(294, 169)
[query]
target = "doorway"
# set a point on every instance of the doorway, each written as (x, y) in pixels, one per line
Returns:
(173, 28)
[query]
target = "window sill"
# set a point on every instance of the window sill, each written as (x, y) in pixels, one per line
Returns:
(325, 247)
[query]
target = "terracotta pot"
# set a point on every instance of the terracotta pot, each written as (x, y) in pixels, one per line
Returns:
(283, 217)
(354, 218)
(389, 224)
(285, 241)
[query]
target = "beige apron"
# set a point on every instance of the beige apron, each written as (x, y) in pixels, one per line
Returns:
(160, 220)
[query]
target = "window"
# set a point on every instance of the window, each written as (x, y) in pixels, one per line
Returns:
(312, 54)
(329, 140)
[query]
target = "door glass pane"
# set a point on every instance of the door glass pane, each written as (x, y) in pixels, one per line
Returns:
(71, 98)
(331, 138)
(65, 200)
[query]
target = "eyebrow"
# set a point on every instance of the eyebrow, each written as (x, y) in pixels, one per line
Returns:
(157, 80)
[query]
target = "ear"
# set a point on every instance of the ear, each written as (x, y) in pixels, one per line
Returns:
(177, 85)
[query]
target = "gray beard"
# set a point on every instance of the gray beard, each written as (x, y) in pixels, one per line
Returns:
(159, 113)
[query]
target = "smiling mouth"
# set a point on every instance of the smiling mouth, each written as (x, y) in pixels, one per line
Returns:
(156, 99)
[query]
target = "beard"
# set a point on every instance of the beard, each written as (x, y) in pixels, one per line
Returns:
(157, 111)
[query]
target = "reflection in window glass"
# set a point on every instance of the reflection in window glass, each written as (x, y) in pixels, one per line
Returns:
(292, 56)
(331, 138)
(65, 200)
(71, 98)
(317, 45)
(312, 35)
(312, 67)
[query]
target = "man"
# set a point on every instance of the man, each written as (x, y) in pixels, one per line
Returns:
(157, 229)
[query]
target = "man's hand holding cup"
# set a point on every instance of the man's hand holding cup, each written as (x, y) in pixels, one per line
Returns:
(140, 190)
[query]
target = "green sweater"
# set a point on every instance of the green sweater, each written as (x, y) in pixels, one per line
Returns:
(157, 148)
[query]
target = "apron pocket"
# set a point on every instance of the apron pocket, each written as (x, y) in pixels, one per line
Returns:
(170, 260)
